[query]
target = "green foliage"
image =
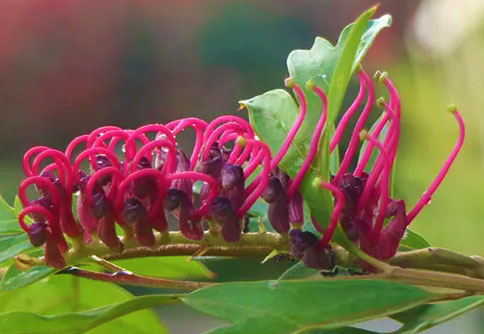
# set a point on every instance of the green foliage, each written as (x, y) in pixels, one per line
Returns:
(66, 304)
(12, 244)
(298, 271)
(14, 278)
(297, 306)
(330, 67)
(8, 218)
(170, 267)
(426, 316)
(412, 240)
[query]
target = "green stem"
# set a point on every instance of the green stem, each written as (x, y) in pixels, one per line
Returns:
(128, 278)
(174, 243)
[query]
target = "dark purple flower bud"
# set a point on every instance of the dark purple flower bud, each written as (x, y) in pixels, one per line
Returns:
(352, 187)
(300, 241)
(232, 180)
(225, 153)
(143, 163)
(84, 211)
(106, 227)
(392, 234)
(178, 200)
(394, 207)
(215, 151)
(173, 199)
(132, 209)
(224, 214)
(102, 161)
(98, 208)
(273, 190)
(135, 213)
(295, 208)
(278, 215)
(160, 159)
(49, 176)
(47, 203)
(145, 186)
(182, 165)
(349, 227)
(322, 259)
(283, 177)
(38, 233)
(212, 167)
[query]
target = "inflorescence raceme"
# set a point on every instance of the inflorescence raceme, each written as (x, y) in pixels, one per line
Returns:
(151, 176)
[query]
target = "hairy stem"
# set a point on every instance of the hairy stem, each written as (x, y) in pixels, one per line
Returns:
(174, 243)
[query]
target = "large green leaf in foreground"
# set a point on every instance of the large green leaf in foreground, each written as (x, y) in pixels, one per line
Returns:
(285, 307)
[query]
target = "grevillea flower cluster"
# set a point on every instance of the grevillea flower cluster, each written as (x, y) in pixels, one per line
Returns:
(137, 187)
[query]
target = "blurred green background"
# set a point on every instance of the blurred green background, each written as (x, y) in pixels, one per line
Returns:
(67, 67)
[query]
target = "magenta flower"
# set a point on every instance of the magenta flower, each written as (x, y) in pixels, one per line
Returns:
(362, 201)
(137, 187)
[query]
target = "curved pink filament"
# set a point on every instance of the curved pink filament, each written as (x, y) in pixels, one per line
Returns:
(294, 128)
(380, 163)
(26, 159)
(34, 209)
(347, 116)
(97, 132)
(357, 129)
(235, 156)
(198, 126)
(395, 103)
(180, 124)
(37, 180)
(228, 118)
(264, 177)
(254, 161)
(60, 160)
(384, 181)
(117, 177)
(90, 152)
(427, 195)
(313, 146)
(248, 151)
(114, 135)
(316, 225)
(228, 128)
(170, 161)
(235, 153)
(74, 143)
(196, 176)
(333, 220)
(160, 130)
(369, 146)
